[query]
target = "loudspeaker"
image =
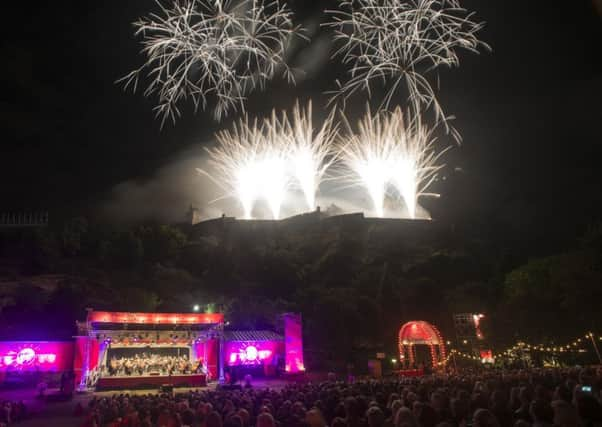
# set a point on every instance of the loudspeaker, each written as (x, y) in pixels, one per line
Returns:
(166, 388)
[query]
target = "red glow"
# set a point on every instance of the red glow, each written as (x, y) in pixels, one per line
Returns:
(477, 325)
(487, 356)
(157, 318)
(418, 332)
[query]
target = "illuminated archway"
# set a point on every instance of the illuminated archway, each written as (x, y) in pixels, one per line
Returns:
(418, 332)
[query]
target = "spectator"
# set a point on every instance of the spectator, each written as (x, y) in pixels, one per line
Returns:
(265, 420)
(565, 414)
(375, 417)
(214, 420)
(405, 418)
(485, 418)
(589, 410)
(314, 418)
(523, 412)
(541, 412)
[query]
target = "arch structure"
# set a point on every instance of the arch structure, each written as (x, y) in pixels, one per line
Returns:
(419, 332)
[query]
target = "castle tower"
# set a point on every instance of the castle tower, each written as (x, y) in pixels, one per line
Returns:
(193, 216)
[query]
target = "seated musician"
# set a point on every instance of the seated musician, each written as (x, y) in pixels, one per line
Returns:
(146, 364)
(200, 367)
(113, 366)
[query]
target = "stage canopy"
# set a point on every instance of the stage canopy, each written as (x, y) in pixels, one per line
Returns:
(112, 320)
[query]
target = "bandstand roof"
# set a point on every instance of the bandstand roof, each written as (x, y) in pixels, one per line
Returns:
(419, 332)
(102, 319)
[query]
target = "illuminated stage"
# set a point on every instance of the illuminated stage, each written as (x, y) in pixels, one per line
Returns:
(202, 350)
(183, 349)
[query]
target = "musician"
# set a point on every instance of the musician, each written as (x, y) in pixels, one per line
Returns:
(145, 364)
(200, 367)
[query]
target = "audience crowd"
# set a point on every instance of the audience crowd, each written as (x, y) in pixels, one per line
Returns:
(534, 398)
(11, 412)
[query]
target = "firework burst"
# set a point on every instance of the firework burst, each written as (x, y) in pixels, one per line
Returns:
(399, 42)
(310, 152)
(236, 163)
(262, 160)
(250, 164)
(388, 155)
(368, 154)
(216, 50)
(415, 161)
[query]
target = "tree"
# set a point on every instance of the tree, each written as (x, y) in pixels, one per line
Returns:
(72, 236)
(557, 295)
(126, 249)
(162, 243)
(138, 299)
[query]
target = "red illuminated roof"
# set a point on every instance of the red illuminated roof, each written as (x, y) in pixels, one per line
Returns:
(155, 318)
(419, 332)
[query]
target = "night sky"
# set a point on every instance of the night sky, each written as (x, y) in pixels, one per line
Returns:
(530, 113)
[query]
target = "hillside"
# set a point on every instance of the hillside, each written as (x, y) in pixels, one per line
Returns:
(354, 279)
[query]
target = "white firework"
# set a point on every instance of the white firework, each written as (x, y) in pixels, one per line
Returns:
(212, 50)
(310, 150)
(415, 161)
(260, 160)
(387, 153)
(369, 154)
(398, 42)
(274, 176)
(236, 163)
(250, 163)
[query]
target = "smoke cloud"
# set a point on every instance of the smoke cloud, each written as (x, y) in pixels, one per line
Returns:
(168, 194)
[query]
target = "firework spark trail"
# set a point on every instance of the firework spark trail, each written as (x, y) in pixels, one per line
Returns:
(387, 153)
(261, 159)
(206, 50)
(311, 152)
(369, 155)
(250, 163)
(235, 163)
(274, 182)
(415, 161)
(400, 42)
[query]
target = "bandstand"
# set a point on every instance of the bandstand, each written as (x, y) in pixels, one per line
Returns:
(419, 332)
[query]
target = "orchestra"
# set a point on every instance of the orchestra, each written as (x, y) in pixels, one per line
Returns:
(152, 364)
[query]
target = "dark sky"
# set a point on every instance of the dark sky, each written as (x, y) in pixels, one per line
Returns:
(529, 111)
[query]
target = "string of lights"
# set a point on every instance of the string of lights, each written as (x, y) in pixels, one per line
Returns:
(575, 346)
